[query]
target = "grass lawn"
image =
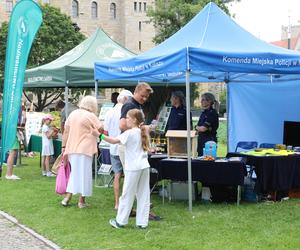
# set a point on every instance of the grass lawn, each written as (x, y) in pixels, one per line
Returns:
(34, 203)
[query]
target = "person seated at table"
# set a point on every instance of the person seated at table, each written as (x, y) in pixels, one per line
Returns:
(208, 123)
(177, 118)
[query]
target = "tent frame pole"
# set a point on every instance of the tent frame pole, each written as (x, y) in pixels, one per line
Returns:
(96, 89)
(227, 115)
(67, 100)
(188, 125)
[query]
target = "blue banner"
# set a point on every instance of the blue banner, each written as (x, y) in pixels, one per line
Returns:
(24, 23)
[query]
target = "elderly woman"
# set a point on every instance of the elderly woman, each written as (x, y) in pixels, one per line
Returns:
(208, 123)
(79, 144)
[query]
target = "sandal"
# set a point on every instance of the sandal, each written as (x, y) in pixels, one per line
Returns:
(82, 205)
(154, 217)
(65, 202)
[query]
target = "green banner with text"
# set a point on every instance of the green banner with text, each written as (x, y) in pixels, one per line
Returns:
(24, 23)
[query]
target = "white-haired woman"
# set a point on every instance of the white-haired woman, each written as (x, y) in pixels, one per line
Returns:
(79, 144)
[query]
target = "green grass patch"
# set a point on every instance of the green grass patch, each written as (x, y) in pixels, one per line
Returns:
(34, 203)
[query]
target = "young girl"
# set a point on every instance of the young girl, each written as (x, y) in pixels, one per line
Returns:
(136, 171)
(47, 145)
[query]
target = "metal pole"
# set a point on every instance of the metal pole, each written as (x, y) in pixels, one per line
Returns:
(289, 33)
(188, 126)
(96, 89)
(227, 114)
(66, 109)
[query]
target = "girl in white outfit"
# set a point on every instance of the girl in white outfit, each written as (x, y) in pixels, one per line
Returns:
(47, 145)
(136, 171)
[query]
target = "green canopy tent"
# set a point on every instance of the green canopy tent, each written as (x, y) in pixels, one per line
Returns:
(76, 67)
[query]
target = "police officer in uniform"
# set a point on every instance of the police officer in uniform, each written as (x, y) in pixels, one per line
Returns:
(177, 118)
(208, 122)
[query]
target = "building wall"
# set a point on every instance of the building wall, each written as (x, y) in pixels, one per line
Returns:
(124, 29)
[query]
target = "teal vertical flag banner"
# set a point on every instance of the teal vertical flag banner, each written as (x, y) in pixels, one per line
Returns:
(24, 23)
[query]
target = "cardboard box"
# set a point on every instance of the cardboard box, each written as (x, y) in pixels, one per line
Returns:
(180, 190)
(177, 143)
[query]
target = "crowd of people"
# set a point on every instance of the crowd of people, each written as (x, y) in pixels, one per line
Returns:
(125, 130)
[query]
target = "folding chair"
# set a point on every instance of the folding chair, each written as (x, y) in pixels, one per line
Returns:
(103, 169)
(267, 145)
(245, 146)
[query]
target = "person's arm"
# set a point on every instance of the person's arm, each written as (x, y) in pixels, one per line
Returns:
(49, 133)
(201, 128)
(123, 124)
(109, 139)
(65, 137)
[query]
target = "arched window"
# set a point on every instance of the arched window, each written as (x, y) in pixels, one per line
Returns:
(113, 10)
(74, 8)
(94, 9)
(9, 6)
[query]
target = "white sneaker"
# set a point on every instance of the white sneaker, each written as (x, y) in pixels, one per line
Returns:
(49, 174)
(12, 177)
(44, 173)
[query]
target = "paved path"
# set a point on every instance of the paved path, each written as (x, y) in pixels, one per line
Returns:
(15, 236)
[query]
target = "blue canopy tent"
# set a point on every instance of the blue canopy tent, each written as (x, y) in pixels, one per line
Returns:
(210, 48)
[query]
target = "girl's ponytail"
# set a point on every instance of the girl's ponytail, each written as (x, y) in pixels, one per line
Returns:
(145, 138)
(140, 119)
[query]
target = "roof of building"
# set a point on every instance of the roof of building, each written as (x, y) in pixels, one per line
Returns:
(284, 43)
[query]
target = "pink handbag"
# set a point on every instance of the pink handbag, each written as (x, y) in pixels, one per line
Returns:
(62, 178)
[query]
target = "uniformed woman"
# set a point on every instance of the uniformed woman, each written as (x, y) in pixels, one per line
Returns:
(208, 122)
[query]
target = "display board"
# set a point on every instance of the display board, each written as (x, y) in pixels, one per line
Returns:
(33, 124)
(162, 118)
(105, 107)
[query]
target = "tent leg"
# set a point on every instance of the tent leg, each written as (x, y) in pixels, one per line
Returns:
(227, 115)
(66, 101)
(188, 125)
(96, 89)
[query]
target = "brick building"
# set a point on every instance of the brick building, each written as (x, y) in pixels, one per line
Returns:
(125, 21)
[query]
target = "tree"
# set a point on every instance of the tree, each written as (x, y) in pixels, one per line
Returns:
(56, 36)
(168, 16)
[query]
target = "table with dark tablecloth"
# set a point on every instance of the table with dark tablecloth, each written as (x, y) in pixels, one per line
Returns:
(224, 173)
(209, 172)
(274, 173)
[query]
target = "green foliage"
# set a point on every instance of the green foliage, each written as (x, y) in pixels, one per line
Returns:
(55, 37)
(33, 202)
(223, 102)
(169, 16)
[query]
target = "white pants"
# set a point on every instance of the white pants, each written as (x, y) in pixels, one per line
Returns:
(121, 152)
(136, 183)
(80, 181)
